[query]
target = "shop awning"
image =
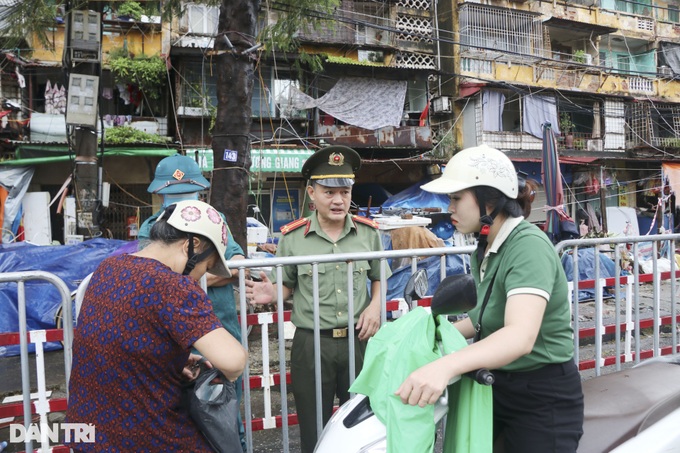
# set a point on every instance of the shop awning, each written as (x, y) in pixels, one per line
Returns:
(46, 154)
(263, 160)
(268, 160)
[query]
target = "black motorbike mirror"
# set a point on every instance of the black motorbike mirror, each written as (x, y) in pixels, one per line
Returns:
(416, 286)
(455, 294)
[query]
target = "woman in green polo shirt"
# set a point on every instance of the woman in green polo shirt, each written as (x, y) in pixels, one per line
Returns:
(522, 321)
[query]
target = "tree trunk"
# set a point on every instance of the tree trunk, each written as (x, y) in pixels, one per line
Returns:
(230, 139)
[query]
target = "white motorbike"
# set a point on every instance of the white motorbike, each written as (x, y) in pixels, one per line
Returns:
(629, 411)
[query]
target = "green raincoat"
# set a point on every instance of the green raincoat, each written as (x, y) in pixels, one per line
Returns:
(401, 347)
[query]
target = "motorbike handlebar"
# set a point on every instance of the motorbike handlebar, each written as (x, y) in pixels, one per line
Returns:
(482, 376)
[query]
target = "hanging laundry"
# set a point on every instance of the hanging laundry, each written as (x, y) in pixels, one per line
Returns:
(107, 93)
(21, 80)
(593, 186)
(123, 93)
(60, 104)
(49, 103)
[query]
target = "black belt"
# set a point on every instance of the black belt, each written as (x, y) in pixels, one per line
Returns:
(547, 371)
(340, 332)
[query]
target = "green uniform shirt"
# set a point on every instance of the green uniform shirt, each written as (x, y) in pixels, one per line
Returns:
(309, 239)
(526, 262)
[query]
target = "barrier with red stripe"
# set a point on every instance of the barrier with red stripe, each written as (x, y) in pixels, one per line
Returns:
(260, 382)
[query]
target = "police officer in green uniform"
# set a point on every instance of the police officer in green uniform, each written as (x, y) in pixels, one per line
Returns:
(329, 229)
(179, 178)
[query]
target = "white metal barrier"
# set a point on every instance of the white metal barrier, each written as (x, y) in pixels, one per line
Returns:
(277, 268)
(633, 323)
(38, 337)
(630, 327)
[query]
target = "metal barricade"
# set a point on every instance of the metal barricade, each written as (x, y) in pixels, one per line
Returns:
(42, 407)
(629, 328)
(633, 322)
(315, 261)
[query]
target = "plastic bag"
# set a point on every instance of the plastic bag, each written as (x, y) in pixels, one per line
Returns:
(214, 408)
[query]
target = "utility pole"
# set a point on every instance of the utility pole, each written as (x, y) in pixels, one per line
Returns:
(82, 57)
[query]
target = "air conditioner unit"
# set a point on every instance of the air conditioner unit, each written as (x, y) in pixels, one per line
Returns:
(665, 71)
(441, 104)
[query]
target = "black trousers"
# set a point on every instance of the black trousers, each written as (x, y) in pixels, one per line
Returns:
(334, 379)
(539, 411)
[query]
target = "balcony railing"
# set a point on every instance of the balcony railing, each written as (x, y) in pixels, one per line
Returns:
(641, 84)
(580, 141)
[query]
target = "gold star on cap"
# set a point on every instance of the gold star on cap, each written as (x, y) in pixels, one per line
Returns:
(178, 174)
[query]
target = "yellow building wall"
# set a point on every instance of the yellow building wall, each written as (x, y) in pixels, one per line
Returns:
(138, 42)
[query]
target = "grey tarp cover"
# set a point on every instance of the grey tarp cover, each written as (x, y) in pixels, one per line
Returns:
(366, 103)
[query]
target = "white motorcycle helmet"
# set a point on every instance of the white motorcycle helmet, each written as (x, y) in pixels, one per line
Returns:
(478, 166)
(197, 217)
(475, 167)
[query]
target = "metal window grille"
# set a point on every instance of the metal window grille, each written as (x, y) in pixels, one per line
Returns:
(674, 14)
(485, 29)
(123, 204)
(614, 125)
(639, 128)
(201, 19)
(198, 89)
(543, 73)
(367, 14)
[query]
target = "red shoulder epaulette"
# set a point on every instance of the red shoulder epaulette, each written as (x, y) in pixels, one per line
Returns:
(365, 221)
(294, 225)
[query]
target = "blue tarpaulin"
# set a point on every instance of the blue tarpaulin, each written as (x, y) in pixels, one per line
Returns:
(586, 270)
(455, 264)
(415, 197)
(71, 263)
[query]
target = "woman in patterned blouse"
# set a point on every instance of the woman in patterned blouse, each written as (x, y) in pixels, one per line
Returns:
(141, 315)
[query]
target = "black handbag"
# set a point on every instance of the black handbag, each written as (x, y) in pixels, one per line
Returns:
(213, 406)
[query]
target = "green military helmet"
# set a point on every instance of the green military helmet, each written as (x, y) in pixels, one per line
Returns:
(178, 174)
(334, 166)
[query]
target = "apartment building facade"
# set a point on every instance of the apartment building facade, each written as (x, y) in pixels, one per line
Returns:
(405, 82)
(604, 73)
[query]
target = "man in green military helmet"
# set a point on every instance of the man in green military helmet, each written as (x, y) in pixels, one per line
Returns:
(178, 178)
(329, 229)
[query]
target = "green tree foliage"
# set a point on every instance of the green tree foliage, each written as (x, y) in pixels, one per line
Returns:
(129, 135)
(147, 73)
(293, 16)
(130, 9)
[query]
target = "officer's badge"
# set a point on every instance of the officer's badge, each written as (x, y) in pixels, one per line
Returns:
(336, 159)
(178, 174)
